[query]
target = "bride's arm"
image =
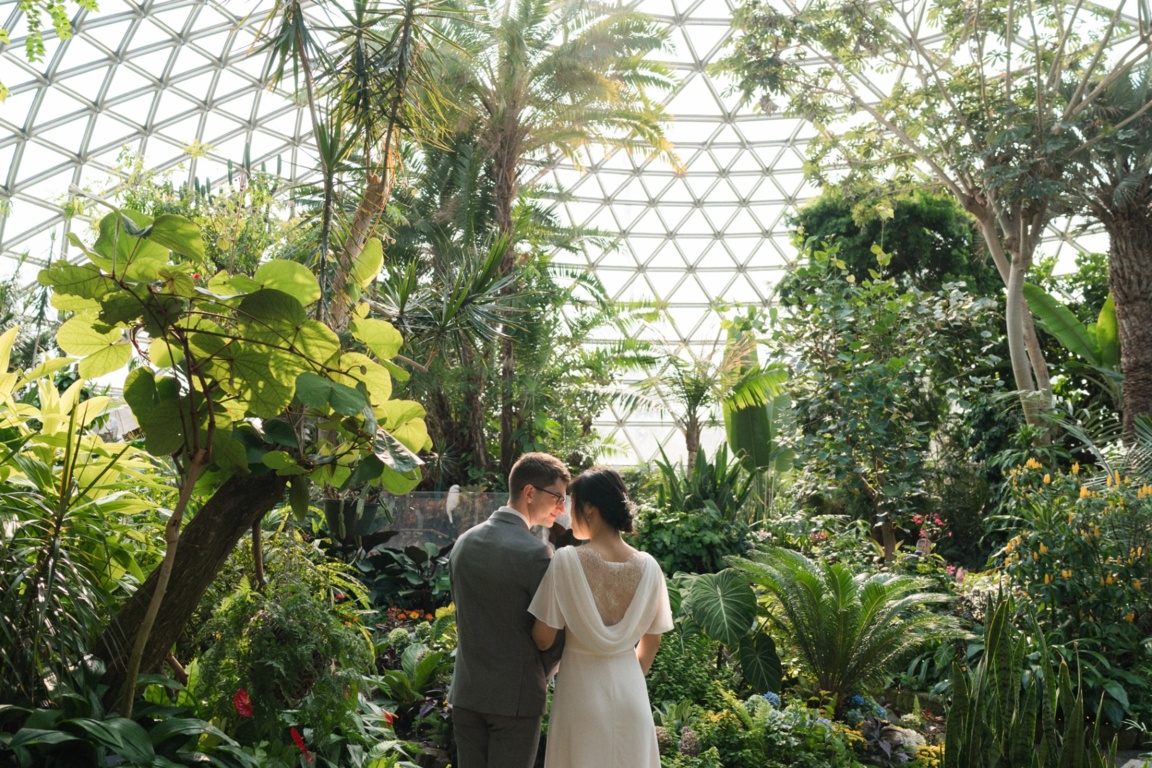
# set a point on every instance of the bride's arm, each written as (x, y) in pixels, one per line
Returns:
(646, 650)
(543, 635)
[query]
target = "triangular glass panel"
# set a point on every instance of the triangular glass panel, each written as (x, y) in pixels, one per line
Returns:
(718, 214)
(691, 131)
(706, 38)
(695, 223)
(126, 81)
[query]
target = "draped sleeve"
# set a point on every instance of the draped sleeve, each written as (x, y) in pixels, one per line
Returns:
(545, 604)
(662, 621)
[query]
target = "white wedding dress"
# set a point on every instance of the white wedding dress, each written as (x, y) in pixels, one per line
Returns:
(600, 715)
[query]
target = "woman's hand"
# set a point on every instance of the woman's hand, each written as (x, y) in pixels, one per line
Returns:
(646, 650)
(543, 635)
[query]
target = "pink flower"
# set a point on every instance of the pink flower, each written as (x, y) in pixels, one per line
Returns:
(296, 737)
(242, 703)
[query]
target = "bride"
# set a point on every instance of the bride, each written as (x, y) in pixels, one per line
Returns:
(612, 602)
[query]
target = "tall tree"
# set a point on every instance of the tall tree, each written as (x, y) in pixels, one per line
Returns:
(1114, 184)
(978, 99)
(545, 79)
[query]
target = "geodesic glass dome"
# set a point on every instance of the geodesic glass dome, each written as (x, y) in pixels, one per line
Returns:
(176, 81)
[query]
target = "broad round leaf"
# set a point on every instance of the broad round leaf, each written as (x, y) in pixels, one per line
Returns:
(101, 352)
(380, 336)
(399, 483)
(291, 277)
(178, 234)
(369, 263)
(724, 605)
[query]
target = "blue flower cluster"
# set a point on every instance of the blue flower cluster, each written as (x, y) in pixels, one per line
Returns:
(855, 700)
(772, 699)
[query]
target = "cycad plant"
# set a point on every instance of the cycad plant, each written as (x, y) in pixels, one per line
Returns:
(847, 628)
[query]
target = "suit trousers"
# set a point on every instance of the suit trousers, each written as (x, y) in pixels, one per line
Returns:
(495, 741)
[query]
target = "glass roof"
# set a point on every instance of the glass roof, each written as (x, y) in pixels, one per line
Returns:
(174, 80)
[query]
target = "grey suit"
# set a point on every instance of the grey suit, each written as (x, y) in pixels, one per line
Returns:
(498, 691)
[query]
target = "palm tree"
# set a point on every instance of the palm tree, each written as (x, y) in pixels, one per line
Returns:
(847, 628)
(544, 79)
(691, 383)
(1114, 185)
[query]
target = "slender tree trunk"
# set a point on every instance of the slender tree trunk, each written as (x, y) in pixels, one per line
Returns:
(506, 167)
(205, 545)
(1130, 280)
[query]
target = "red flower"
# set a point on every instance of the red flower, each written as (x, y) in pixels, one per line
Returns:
(242, 703)
(389, 717)
(296, 737)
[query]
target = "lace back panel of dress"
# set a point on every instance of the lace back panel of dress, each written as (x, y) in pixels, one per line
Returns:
(613, 584)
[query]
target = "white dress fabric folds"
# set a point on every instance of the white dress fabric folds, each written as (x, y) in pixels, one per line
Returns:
(600, 716)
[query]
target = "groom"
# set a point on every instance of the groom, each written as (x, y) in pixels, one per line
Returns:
(498, 687)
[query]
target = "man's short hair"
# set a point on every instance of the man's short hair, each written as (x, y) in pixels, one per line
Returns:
(539, 469)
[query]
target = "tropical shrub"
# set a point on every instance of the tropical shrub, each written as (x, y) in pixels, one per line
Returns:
(78, 731)
(696, 519)
(683, 669)
(298, 661)
(1083, 556)
(872, 378)
(70, 505)
(845, 627)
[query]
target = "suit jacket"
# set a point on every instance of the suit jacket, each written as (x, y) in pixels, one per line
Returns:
(495, 569)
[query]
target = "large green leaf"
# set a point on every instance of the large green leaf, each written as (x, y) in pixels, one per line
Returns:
(139, 393)
(318, 392)
(1059, 321)
(368, 264)
(163, 426)
(133, 257)
(101, 353)
(125, 737)
(271, 310)
(380, 336)
(178, 234)
(724, 605)
(83, 280)
(394, 453)
(399, 483)
(760, 662)
(292, 278)
(1108, 335)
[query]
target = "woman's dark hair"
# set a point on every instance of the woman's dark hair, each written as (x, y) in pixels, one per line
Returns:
(603, 488)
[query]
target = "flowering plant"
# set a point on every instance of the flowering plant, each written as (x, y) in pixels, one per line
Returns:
(1082, 553)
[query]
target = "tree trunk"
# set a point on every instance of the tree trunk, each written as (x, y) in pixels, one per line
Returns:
(506, 167)
(1130, 280)
(205, 545)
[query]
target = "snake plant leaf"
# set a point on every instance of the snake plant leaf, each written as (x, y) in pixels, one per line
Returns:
(100, 352)
(724, 605)
(1059, 321)
(290, 277)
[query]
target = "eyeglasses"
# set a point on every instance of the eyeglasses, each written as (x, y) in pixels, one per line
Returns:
(560, 498)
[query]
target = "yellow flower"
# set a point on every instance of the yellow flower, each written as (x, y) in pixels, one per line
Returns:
(1136, 584)
(1066, 573)
(1043, 549)
(1075, 467)
(1033, 464)
(1035, 556)
(1130, 617)
(1084, 492)
(1047, 578)
(1047, 478)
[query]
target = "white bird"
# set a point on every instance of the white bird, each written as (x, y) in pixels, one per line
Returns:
(452, 501)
